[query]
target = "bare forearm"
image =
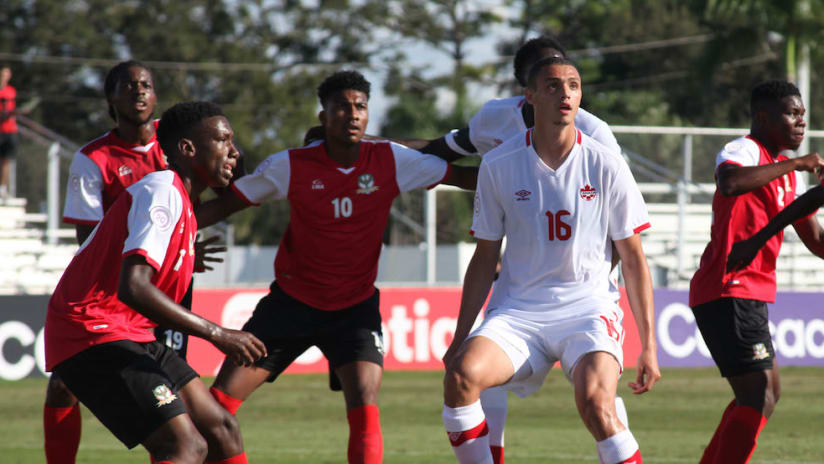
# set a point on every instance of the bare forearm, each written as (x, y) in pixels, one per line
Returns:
(149, 301)
(639, 293)
(478, 280)
(465, 177)
(738, 180)
(218, 209)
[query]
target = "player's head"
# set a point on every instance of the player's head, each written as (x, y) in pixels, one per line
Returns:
(129, 90)
(778, 114)
(554, 90)
(344, 97)
(5, 75)
(532, 51)
(198, 141)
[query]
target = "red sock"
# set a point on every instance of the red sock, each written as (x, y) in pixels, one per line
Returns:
(740, 435)
(229, 403)
(61, 430)
(497, 454)
(365, 439)
(239, 459)
(634, 459)
(712, 449)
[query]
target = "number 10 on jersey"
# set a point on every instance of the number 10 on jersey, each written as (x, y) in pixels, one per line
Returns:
(343, 207)
(558, 229)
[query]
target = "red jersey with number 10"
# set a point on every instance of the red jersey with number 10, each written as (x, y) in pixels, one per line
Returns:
(153, 218)
(328, 257)
(736, 218)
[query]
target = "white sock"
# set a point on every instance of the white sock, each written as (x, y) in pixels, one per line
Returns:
(617, 448)
(494, 402)
(468, 433)
(621, 410)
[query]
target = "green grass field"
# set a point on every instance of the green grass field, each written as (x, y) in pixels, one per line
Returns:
(298, 420)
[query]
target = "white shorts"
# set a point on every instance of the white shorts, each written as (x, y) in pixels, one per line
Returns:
(534, 347)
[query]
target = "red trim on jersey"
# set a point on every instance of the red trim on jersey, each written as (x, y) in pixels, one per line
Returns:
(522, 102)
(145, 254)
(641, 228)
(242, 196)
(471, 232)
(445, 176)
(580, 137)
(458, 438)
(85, 222)
(528, 138)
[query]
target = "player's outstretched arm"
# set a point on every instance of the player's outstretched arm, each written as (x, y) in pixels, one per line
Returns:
(137, 291)
(204, 253)
(639, 291)
(743, 252)
(478, 280)
(465, 177)
(734, 180)
(220, 208)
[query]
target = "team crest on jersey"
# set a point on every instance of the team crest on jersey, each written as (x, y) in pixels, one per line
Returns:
(759, 351)
(588, 193)
(124, 170)
(163, 395)
(317, 184)
(367, 184)
(522, 195)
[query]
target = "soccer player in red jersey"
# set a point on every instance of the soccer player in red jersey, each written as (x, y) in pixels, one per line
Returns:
(754, 183)
(340, 191)
(100, 171)
(125, 279)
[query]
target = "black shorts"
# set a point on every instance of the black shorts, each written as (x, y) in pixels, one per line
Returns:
(289, 327)
(737, 333)
(172, 338)
(8, 145)
(131, 387)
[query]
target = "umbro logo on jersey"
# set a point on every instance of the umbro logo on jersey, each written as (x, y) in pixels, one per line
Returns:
(522, 195)
(124, 171)
(588, 193)
(317, 184)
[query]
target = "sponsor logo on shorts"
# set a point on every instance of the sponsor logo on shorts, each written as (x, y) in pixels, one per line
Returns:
(163, 395)
(523, 195)
(759, 351)
(367, 184)
(379, 341)
(588, 192)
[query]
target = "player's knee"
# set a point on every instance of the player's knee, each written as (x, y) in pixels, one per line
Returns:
(186, 448)
(463, 378)
(224, 431)
(597, 408)
(58, 395)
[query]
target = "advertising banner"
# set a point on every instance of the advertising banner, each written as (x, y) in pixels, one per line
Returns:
(418, 324)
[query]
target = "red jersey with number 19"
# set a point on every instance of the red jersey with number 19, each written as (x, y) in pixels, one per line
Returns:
(328, 257)
(738, 217)
(153, 219)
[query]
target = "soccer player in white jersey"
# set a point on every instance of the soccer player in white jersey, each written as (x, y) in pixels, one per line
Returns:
(498, 120)
(559, 197)
(125, 279)
(340, 192)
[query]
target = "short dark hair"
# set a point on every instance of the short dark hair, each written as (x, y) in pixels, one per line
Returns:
(772, 91)
(530, 52)
(543, 63)
(340, 81)
(178, 120)
(113, 77)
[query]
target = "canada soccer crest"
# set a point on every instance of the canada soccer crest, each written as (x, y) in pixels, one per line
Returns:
(588, 193)
(366, 184)
(163, 395)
